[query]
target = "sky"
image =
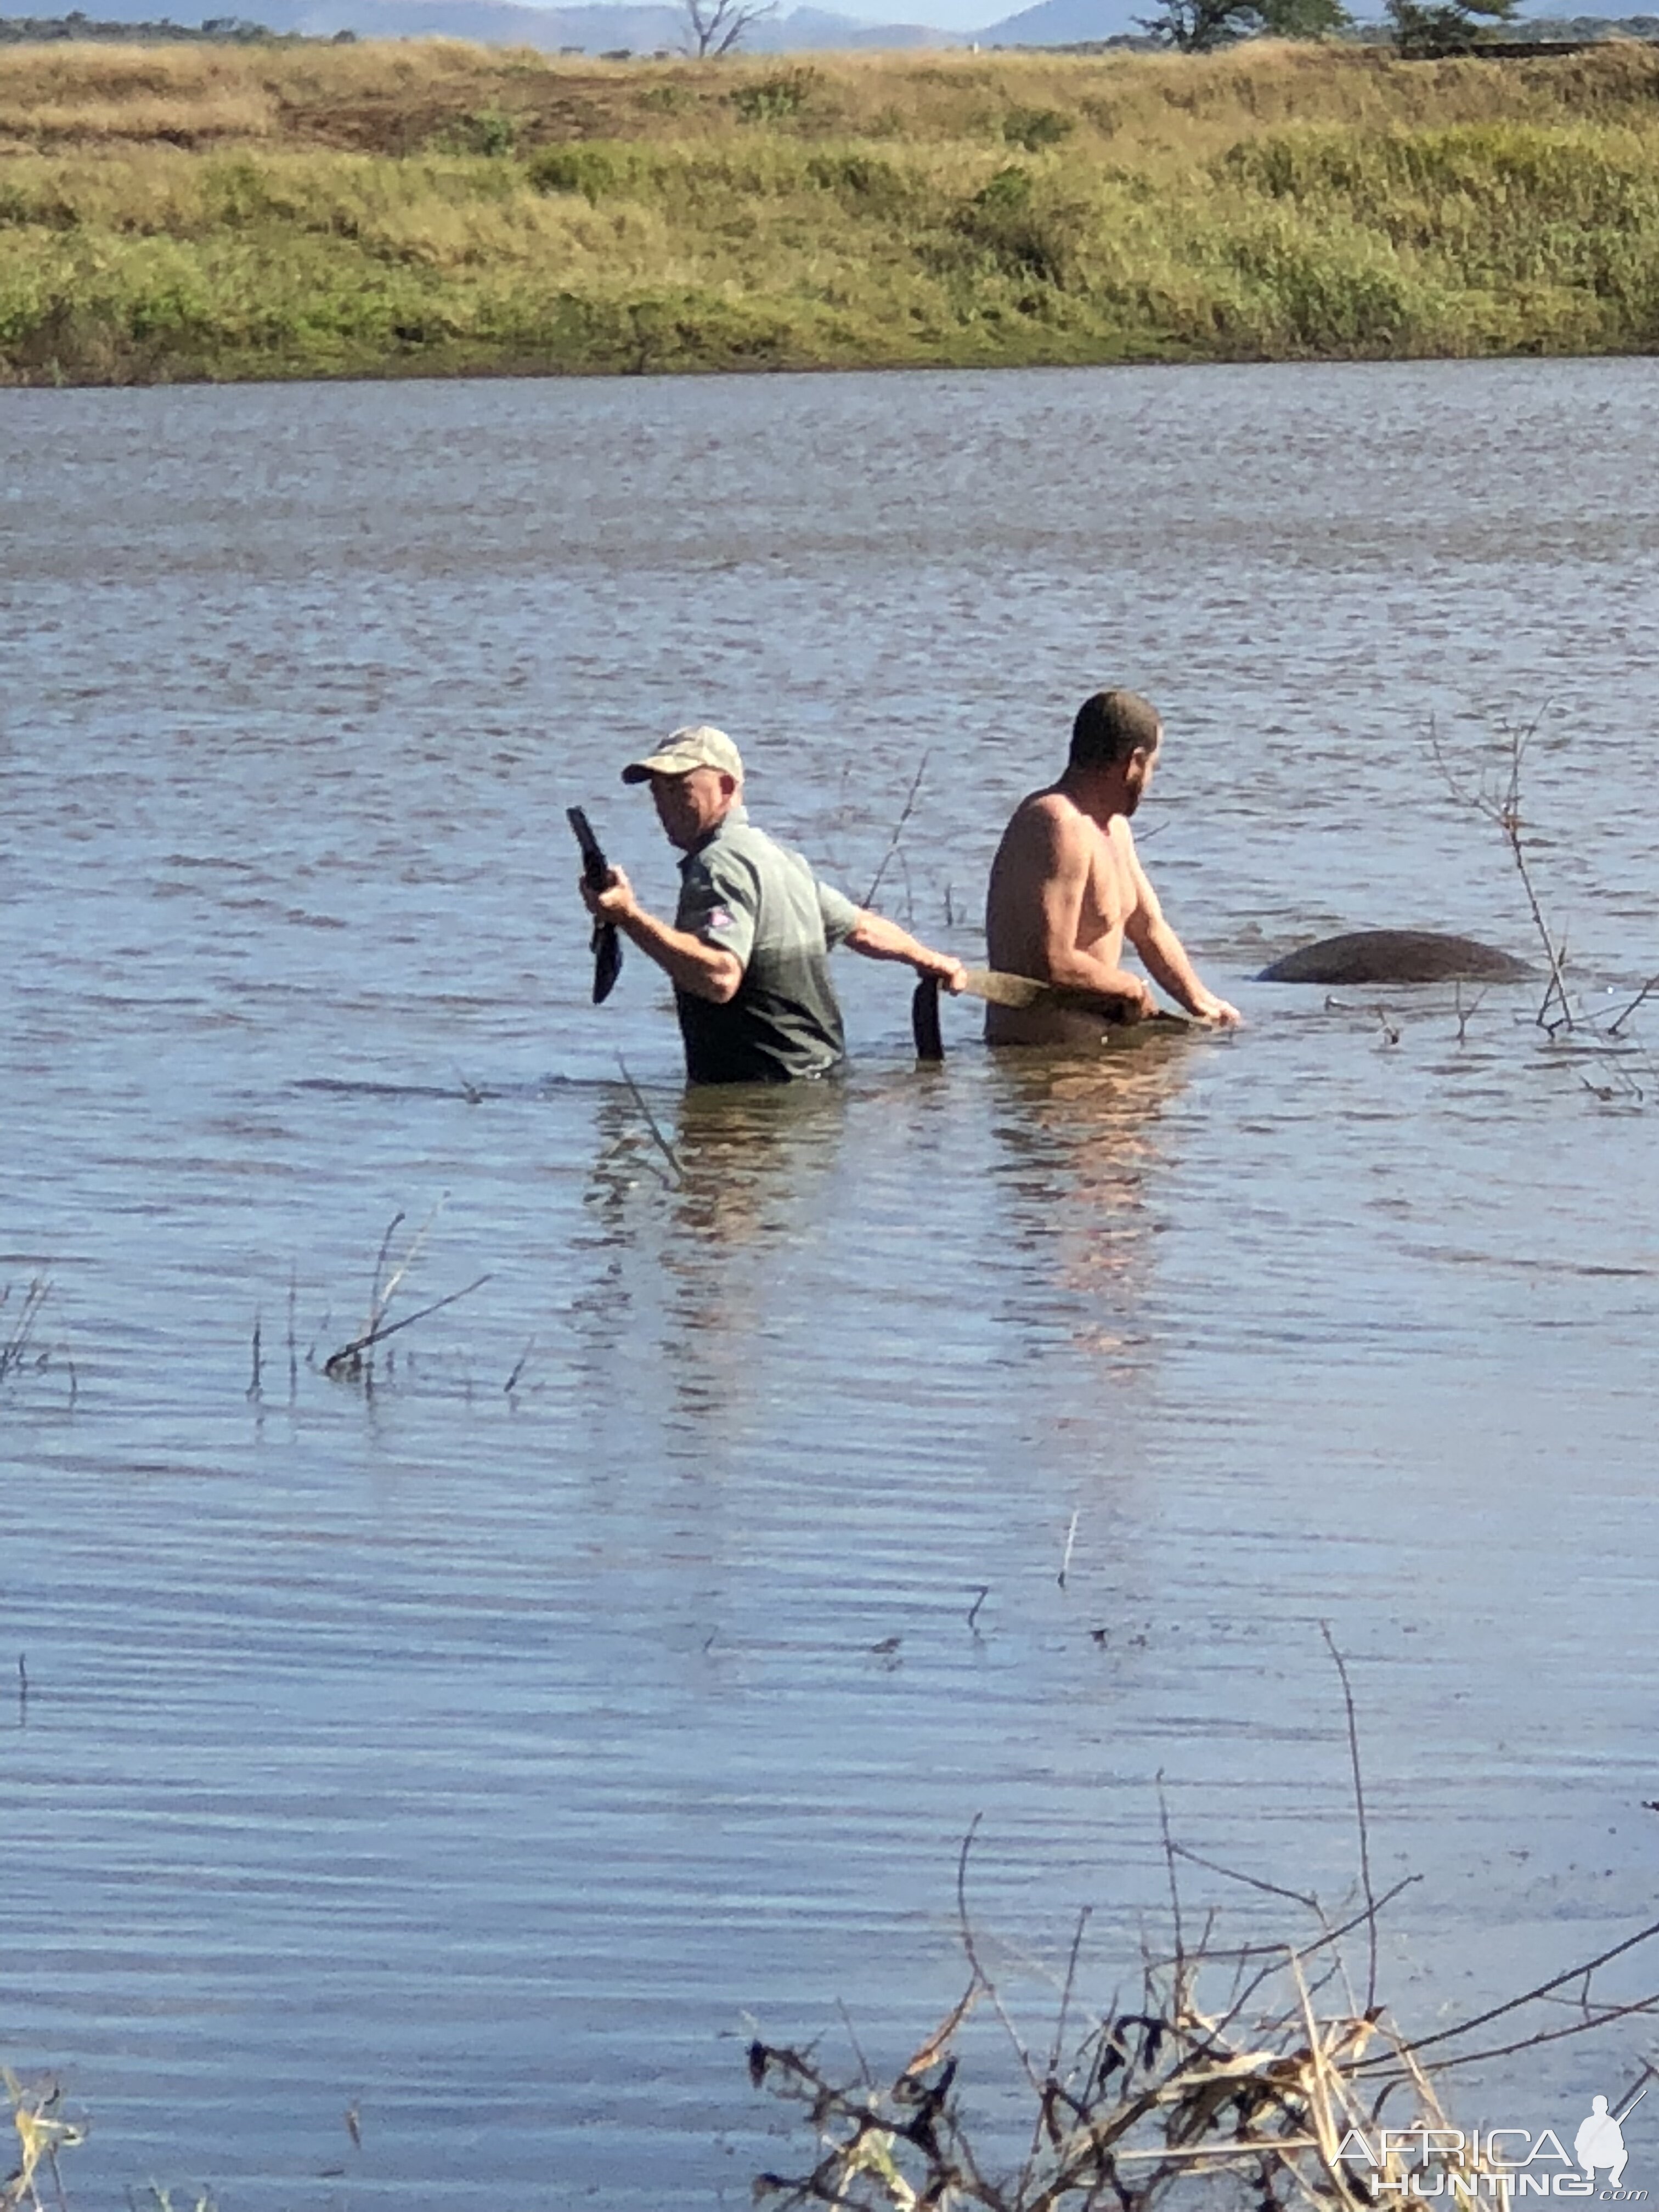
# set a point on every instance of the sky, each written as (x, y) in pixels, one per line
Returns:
(943, 14)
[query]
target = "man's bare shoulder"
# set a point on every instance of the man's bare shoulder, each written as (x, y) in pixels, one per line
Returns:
(1047, 818)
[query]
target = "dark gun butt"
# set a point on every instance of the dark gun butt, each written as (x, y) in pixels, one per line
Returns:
(924, 1019)
(596, 874)
(595, 867)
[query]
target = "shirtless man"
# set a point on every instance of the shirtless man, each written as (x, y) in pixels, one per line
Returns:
(1067, 887)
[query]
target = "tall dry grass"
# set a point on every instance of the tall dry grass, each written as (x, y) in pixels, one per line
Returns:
(388, 98)
(195, 211)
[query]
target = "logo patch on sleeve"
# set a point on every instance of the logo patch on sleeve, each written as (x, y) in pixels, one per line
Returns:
(719, 917)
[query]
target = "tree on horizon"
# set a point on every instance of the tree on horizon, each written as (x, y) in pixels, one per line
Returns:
(1199, 27)
(1426, 30)
(714, 28)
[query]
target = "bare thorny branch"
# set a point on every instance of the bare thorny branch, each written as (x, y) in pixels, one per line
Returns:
(348, 1363)
(1500, 803)
(20, 1350)
(17, 1329)
(1641, 998)
(899, 827)
(676, 1170)
(1341, 1664)
(1157, 2094)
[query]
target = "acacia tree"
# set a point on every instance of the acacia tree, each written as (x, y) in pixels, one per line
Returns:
(714, 28)
(1199, 27)
(1423, 30)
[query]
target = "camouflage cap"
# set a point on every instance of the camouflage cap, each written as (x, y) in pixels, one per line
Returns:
(700, 745)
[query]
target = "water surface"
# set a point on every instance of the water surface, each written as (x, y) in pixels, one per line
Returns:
(491, 1760)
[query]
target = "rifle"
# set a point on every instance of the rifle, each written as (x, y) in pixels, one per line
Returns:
(596, 874)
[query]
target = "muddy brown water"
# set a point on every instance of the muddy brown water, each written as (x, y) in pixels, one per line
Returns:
(491, 1761)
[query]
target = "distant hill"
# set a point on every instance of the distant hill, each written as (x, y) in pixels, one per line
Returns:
(1083, 22)
(608, 26)
(649, 26)
(1065, 23)
(593, 29)
(1586, 26)
(806, 28)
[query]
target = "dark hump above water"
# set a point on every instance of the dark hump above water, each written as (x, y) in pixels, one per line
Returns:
(1396, 956)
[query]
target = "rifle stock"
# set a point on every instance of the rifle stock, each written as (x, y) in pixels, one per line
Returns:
(596, 874)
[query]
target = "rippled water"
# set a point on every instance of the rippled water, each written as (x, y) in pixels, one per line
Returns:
(489, 1758)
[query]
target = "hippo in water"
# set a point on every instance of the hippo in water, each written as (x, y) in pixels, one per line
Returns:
(1396, 956)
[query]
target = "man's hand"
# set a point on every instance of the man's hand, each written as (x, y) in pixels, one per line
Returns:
(616, 903)
(941, 966)
(1211, 1009)
(708, 971)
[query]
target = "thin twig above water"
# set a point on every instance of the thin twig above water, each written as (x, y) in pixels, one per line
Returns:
(348, 1364)
(652, 1124)
(345, 1360)
(1501, 805)
(905, 813)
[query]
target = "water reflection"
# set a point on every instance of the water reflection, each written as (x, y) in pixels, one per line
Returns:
(758, 1164)
(1078, 1137)
(706, 1214)
(755, 1158)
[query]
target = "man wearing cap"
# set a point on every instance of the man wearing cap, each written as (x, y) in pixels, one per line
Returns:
(748, 950)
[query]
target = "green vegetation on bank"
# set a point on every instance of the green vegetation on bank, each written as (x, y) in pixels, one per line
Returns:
(217, 30)
(240, 212)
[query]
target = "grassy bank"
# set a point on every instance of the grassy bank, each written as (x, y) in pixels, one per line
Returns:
(190, 212)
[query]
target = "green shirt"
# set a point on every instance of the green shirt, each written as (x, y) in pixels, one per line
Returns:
(741, 891)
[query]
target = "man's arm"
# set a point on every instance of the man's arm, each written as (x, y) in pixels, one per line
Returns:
(1062, 856)
(878, 938)
(707, 971)
(1165, 957)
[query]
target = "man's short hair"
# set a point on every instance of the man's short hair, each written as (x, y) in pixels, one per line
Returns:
(1110, 726)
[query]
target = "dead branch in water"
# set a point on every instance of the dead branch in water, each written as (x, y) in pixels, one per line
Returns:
(37, 2115)
(1465, 1014)
(381, 1295)
(905, 813)
(1641, 998)
(1281, 2097)
(1229, 2067)
(21, 1351)
(655, 1127)
(1502, 804)
(348, 1363)
(19, 1334)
